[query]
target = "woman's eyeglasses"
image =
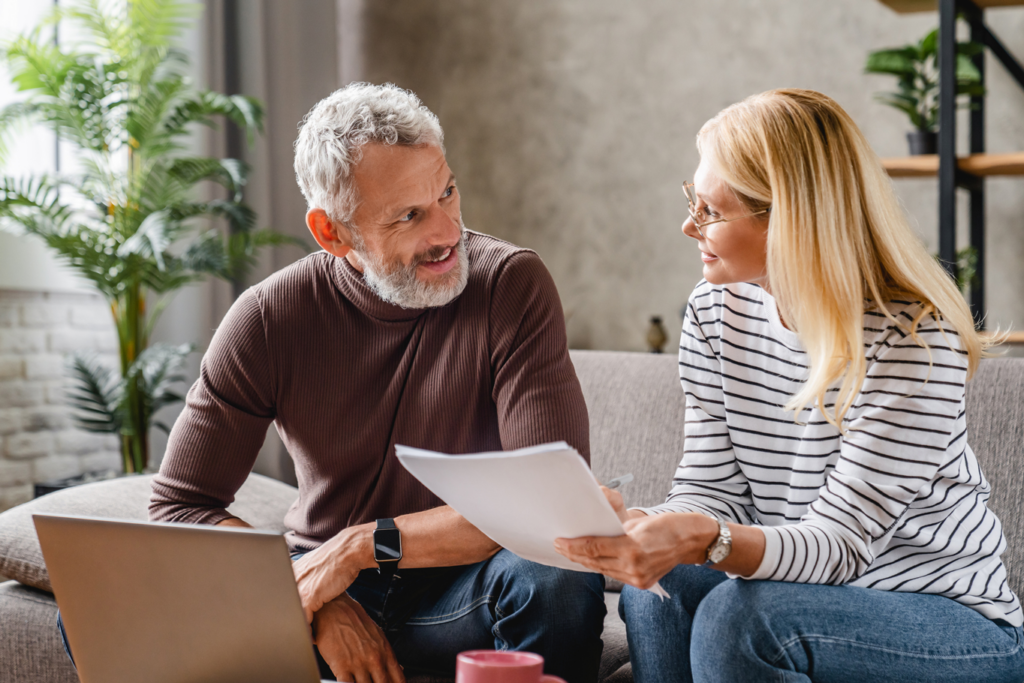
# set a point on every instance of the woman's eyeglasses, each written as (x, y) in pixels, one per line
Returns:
(700, 219)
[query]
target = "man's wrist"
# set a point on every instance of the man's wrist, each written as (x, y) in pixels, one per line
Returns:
(355, 547)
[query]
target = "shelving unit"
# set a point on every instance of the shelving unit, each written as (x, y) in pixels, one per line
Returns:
(965, 172)
(926, 165)
(908, 6)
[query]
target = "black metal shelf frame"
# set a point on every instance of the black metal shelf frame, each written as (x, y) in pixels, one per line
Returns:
(950, 176)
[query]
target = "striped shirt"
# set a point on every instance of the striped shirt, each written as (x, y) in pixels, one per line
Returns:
(898, 503)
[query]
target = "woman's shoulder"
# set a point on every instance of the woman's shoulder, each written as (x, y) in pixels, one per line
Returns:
(911, 327)
(735, 296)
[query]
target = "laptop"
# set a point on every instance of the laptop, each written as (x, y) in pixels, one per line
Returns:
(176, 603)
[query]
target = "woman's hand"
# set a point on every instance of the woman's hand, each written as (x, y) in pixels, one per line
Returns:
(651, 547)
(615, 500)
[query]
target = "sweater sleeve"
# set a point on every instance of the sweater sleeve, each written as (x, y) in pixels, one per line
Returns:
(215, 441)
(708, 479)
(535, 388)
(901, 433)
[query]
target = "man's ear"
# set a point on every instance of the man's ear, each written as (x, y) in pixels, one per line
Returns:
(333, 237)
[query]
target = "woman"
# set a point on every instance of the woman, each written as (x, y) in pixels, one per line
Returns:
(826, 466)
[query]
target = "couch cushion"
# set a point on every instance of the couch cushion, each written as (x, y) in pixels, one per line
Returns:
(261, 502)
(995, 432)
(30, 647)
(636, 409)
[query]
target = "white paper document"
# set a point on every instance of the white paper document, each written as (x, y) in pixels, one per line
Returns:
(523, 500)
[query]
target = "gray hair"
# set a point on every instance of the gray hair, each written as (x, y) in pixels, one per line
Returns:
(332, 134)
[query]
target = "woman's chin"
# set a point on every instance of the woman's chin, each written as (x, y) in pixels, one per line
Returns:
(715, 275)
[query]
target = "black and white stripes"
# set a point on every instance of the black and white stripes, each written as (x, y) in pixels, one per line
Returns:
(898, 503)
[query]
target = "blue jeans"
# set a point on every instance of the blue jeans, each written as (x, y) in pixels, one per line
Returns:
(504, 603)
(717, 629)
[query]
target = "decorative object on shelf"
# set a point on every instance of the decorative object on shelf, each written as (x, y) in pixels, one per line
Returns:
(656, 335)
(125, 222)
(916, 68)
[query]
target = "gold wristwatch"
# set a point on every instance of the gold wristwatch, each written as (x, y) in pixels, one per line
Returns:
(721, 547)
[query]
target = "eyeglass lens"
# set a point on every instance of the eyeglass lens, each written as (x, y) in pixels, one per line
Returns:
(691, 198)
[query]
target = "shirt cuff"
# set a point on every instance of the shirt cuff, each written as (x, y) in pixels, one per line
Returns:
(773, 551)
(680, 507)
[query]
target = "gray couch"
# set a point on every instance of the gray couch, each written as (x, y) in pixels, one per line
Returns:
(636, 425)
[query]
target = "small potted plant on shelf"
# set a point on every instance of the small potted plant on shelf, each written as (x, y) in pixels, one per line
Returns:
(916, 68)
(127, 221)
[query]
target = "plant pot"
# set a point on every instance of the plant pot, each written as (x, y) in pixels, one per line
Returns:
(923, 142)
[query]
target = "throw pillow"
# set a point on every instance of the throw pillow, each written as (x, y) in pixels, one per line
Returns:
(261, 501)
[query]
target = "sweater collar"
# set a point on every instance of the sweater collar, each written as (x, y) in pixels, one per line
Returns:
(351, 283)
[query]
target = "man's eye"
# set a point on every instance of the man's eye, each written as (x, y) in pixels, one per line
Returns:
(450, 191)
(407, 217)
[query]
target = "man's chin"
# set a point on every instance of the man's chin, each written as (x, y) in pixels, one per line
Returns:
(420, 289)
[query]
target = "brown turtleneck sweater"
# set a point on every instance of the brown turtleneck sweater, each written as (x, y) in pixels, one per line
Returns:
(346, 376)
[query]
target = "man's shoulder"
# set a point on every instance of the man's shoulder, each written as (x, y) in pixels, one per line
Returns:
(307, 273)
(489, 255)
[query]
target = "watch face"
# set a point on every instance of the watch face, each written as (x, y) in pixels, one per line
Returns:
(719, 552)
(387, 545)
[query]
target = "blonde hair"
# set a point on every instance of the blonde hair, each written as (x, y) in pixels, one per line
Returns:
(838, 240)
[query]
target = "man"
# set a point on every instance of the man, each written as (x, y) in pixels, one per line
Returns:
(406, 328)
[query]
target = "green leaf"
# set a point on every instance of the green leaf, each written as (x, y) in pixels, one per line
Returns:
(156, 371)
(905, 104)
(151, 239)
(966, 71)
(230, 173)
(970, 48)
(899, 62)
(96, 394)
(929, 45)
(245, 112)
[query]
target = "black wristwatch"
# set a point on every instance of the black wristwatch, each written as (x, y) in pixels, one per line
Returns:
(387, 547)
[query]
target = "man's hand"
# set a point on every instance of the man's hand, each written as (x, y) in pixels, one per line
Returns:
(327, 572)
(353, 645)
(234, 522)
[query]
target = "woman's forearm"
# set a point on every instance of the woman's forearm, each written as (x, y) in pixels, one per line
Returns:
(747, 550)
(697, 533)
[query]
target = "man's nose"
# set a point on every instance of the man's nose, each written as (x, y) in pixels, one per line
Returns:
(443, 229)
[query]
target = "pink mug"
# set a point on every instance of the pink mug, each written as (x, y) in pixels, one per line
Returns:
(491, 666)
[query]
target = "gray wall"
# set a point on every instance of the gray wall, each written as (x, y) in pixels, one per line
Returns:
(570, 124)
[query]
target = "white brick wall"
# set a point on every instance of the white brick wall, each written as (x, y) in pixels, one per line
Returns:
(38, 439)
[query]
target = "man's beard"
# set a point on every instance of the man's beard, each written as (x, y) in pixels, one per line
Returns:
(396, 283)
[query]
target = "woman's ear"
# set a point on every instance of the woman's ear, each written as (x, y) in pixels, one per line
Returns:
(334, 238)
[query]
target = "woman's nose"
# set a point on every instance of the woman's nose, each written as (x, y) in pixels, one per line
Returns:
(690, 228)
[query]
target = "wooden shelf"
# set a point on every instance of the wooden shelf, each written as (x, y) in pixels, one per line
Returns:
(1013, 337)
(927, 165)
(907, 6)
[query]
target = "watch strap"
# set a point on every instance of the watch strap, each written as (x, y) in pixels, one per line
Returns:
(723, 542)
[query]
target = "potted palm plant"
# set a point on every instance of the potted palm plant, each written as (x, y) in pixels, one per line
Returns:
(131, 221)
(916, 68)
